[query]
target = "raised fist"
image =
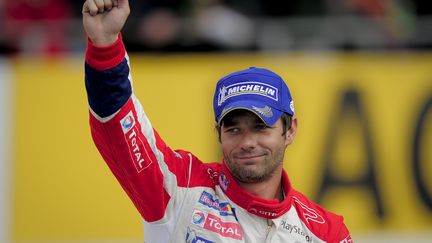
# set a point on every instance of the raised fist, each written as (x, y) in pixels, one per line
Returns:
(104, 19)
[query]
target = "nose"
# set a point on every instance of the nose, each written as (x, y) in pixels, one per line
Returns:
(248, 141)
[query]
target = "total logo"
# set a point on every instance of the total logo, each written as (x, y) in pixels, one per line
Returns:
(215, 224)
(137, 148)
(198, 218)
(127, 122)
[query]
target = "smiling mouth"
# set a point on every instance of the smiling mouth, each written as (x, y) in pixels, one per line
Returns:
(250, 159)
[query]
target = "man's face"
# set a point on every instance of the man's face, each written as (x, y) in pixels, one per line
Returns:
(253, 151)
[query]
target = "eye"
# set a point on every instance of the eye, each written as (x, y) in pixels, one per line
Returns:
(232, 130)
(261, 126)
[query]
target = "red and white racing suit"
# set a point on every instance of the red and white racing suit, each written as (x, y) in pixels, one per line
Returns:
(181, 198)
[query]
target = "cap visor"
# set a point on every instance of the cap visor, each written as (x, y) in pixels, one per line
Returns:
(266, 113)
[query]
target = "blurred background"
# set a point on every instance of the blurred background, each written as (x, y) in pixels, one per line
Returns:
(54, 27)
(360, 72)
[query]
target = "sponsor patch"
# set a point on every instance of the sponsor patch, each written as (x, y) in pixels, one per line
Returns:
(212, 174)
(223, 181)
(198, 218)
(292, 105)
(294, 229)
(250, 87)
(226, 229)
(224, 208)
(127, 122)
(137, 149)
(192, 237)
(263, 213)
(215, 224)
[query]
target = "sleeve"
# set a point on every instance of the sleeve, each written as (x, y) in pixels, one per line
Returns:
(148, 171)
(327, 226)
(343, 235)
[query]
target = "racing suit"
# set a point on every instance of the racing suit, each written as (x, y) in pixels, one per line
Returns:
(180, 198)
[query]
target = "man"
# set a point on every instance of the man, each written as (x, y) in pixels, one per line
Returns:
(246, 198)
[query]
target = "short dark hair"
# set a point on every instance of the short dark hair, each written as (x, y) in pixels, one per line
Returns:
(286, 123)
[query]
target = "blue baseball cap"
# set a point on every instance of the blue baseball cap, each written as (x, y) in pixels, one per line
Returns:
(258, 90)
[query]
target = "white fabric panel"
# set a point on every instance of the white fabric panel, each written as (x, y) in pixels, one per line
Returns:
(5, 147)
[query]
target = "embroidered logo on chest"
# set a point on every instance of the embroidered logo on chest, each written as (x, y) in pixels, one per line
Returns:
(215, 224)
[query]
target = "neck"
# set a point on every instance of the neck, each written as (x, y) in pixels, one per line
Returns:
(269, 190)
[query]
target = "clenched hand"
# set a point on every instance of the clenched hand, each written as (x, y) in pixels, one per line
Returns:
(104, 19)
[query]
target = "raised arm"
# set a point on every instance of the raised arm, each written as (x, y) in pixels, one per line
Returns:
(148, 171)
(107, 90)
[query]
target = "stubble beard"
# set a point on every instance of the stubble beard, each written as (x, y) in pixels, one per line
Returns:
(263, 173)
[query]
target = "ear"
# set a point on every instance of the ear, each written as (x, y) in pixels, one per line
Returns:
(290, 134)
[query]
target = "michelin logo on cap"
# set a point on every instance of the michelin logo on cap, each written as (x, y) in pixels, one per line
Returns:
(243, 88)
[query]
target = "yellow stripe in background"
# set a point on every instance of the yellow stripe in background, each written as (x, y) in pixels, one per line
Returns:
(357, 113)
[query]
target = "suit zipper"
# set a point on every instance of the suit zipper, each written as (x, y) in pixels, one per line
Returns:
(269, 226)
